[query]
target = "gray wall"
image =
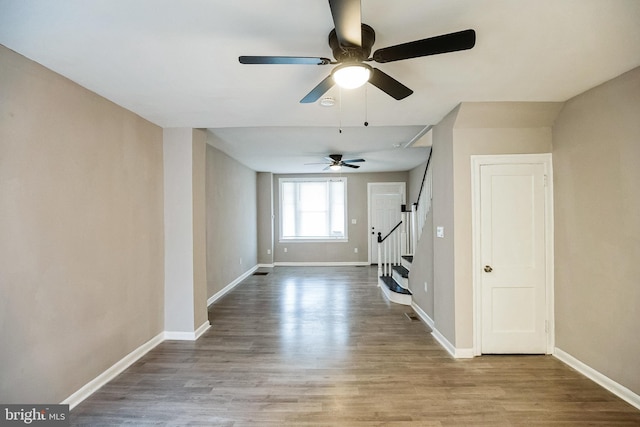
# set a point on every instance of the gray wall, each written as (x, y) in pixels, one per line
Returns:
(442, 208)
(596, 155)
(356, 209)
(470, 129)
(488, 128)
(422, 266)
(81, 220)
(199, 191)
(231, 207)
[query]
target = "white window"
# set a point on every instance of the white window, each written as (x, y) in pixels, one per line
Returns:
(313, 209)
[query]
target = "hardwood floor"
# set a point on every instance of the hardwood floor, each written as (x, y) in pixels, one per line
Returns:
(321, 347)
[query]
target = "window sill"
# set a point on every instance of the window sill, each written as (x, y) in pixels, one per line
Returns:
(313, 240)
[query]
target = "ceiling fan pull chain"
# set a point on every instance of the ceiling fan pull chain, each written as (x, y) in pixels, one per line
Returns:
(366, 107)
(340, 110)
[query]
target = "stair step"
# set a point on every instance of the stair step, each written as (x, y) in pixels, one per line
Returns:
(401, 271)
(393, 286)
(408, 257)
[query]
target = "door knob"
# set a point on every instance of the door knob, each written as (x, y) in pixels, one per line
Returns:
(488, 269)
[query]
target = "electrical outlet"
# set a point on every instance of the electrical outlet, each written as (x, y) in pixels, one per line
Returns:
(426, 289)
(240, 262)
(285, 250)
(355, 250)
(268, 251)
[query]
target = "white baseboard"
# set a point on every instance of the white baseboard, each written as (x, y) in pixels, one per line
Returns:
(618, 389)
(202, 329)
(92, 386)
(187, 336)
(265, 266)
(88, 389)
(443, 342)
(230, 286)
(322, 264)
(464, 353)
(423, 315)
(456, 353)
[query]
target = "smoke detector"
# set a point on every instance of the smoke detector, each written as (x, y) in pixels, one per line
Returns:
(328, 102)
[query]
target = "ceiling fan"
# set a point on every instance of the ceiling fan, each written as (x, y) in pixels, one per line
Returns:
(351, 42)
(336, 163)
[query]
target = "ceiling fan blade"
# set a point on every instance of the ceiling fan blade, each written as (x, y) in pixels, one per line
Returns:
(318, 91)
(327, 168)
(350, 166)
(324, 163)
(334, 157)
(452, 42)
(300, 60)
(353, 160)
(347, 19)
(389, 85)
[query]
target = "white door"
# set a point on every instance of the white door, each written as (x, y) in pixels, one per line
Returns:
(385, 204)
(512, 254)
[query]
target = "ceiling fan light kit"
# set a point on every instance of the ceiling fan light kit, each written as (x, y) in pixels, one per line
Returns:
(351, 75)
(351, 42)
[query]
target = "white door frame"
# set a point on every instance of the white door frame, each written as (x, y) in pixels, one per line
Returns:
(401, 189)
(477, 161)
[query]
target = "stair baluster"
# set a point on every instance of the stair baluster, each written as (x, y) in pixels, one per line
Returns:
(402, 240)
(390, 250)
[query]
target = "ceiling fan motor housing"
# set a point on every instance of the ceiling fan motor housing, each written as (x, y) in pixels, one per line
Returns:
(353, 53)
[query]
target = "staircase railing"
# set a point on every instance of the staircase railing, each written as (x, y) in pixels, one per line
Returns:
(421, 208)
(389, 250)
(403, 237)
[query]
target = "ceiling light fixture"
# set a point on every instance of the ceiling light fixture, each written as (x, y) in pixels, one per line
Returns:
(351, 75)
(335, 167)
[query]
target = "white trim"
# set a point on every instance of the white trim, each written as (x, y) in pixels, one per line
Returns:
(424, 131)
(403, 282)
(464, 353)
(231, 285)
(187, 336)
(88, 389)
(616, 388)
(476, 162)
(321, 264)
(266, 265)
(423, 315)
(318, 240)
(202, 329)
(444, 342)
(403, 299)
(456, 353)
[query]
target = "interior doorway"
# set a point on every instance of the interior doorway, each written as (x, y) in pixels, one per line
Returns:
(385, 202)
(513, 247)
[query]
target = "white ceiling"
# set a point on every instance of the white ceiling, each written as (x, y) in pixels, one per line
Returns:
(175, 63)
